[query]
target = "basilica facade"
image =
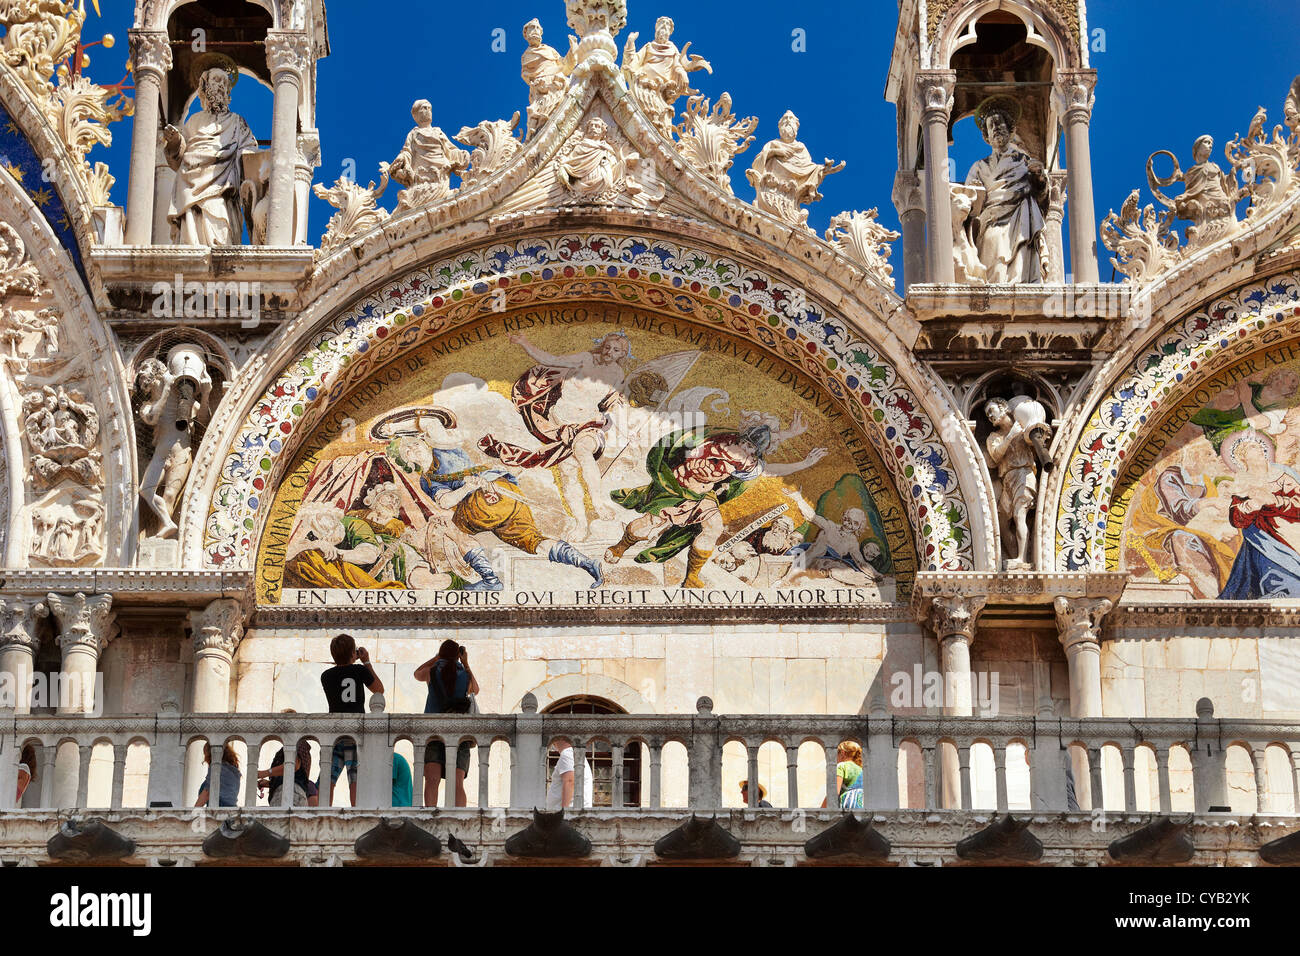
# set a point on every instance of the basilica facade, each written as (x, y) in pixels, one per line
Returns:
(706, 495)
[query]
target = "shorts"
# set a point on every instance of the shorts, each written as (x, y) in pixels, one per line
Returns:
(436, 752)
(345, 755)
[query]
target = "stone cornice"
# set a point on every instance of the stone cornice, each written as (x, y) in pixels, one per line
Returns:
(129, 586)
(1018, 587)
(284, 616)
(1243, 615)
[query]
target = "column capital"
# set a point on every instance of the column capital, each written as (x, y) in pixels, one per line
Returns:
(218, 627)
(18, 617)
(85, 623)
(908, 196)
(288, 51)
(1079, 620)
(955, 616)
(151, 52)
(934, 90)
(1074, 92)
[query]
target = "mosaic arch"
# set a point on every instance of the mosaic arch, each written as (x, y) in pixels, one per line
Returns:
(1144, 426)
(637, 275)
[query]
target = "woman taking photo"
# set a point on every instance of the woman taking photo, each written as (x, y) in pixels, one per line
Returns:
(451, 684)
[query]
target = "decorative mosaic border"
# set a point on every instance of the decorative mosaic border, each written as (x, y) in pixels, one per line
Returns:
(623, 269)
(1159, 378)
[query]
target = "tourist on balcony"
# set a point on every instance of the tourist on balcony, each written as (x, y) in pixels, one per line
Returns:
(848, 776)
(26, 772)
(559, 792)
(228, 795)
(343, 685)
(762, 795)
(403, 783)
(305, 793)
(451, 684)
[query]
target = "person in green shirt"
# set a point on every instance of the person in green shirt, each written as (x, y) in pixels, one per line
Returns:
(403, 785)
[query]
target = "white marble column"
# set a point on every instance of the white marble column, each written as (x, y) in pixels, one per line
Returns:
(1054, 219)
(1074, 96)
(309, 160)
(86, 627)
(1079, 622)
(953, 620)
(909, 200)
(19, 646)
(934, 90)
(288, 53)
(151, 58)
(217, 631)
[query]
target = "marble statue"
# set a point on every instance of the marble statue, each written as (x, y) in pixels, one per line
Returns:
(595, 170)
(547, 76)
(658, 74)
(1014, 457)
(1210, 195)
(711, 139)
(426, 163)
(174, 394)
(966, 260)
(207, 156)
(785, 177)
(1006, 224)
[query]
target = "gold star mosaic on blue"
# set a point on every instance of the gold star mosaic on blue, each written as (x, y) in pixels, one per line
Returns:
(21, 162)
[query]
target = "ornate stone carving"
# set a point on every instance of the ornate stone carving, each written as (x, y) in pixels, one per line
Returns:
(1016, 449)
(955, 615)
(1075, 94)
(357, 212)
(151, 51)
(288, 51)
(495, 145)
(1008, 233)
(1146, 243)
(710, 140)
(172, 395)
(208, 158)
(658, 74)
(62, 429)
(596, 22)
(860, 236)
(68, 532)
(1079, 619)
(218, 627)
(425, 165)
(547, 76)
(785, 177)
(966, 260)
(934, 94)
(83, 621)
(40, 39)
(594, 170)
(18, 619)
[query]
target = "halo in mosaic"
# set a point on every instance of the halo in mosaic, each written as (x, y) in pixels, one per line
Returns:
(632, 270)
(1230, 328)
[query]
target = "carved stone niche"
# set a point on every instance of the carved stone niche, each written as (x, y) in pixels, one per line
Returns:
(177, 382)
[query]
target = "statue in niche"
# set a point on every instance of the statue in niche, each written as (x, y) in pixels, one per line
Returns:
(208, 159)
(594, 170)
(1210, 195)
(547, 76)
(1017, 448)
(785, 176)
(659, 74)
(426, 163)
(173, 394)
(1006, 223)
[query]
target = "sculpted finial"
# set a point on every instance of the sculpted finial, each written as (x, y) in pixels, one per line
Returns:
(658, 74)
(785, 177)
(426, 163)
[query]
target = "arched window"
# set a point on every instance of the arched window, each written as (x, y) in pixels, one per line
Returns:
(601, 755)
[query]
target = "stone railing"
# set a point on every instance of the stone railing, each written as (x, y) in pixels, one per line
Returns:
(910, 762)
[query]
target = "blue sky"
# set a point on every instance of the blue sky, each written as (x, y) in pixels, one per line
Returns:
(1171, 70)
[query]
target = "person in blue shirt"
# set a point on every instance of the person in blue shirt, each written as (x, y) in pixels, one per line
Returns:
(228, 796)
(403, 786)
(451, 683)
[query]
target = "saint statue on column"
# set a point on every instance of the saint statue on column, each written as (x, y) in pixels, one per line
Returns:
(1006, 224)
(207, 156)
